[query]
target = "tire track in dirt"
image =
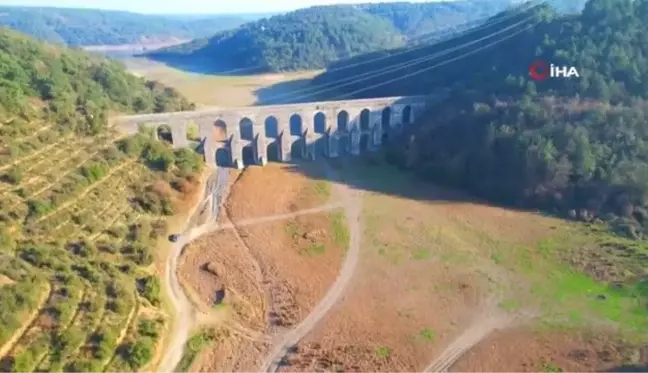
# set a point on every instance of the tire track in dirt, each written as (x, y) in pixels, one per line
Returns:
(215, 189)
(487, 321)
(353, 207)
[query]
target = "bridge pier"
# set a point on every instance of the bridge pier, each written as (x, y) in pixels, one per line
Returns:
(362, 132)
(179, 136)
(333, 143)
(355, 141)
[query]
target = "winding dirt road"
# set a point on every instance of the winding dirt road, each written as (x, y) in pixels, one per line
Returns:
(185, 313)
(352, 203)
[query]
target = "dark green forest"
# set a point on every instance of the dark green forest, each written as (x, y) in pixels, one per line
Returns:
(576, 146)
(73, 89)
(77, 27)
(314, 37)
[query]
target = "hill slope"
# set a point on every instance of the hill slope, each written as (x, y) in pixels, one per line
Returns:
(81, 208)
(313, 37)
(574, 146)
(78, 27)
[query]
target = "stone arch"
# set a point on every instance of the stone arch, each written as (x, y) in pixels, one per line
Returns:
(407, 115)
(365, 118)
(220, 130)
(343, 121)
(246, 129)
(271, 127)
(319, 122)
(164, 133)
(296, 125)
(192, 132)
(223, 158)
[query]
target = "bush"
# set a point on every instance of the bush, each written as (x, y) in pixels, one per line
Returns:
(140, 353)
(149, 288)
(188, 160)
(39, 208)
(94, 172)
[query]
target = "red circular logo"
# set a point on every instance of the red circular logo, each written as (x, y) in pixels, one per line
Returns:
(539, 70)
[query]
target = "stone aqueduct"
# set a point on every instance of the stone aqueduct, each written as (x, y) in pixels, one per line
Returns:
(252, 135)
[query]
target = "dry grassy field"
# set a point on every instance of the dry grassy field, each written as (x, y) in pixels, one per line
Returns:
(215, 90)
(444, 282)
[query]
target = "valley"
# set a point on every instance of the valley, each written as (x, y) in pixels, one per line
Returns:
(500, 227)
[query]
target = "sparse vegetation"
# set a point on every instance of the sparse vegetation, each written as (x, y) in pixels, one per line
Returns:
(193, 348)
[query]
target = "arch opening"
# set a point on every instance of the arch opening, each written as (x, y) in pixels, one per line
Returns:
(297, 149)
(320, 122)
(223, 158)
(164, 133)
(296, 125)
(407, 115)
(272, 152)
(271, 127)
(249, 158)
(343, 121)
(220, 130)
(246, 129)
(365, 117)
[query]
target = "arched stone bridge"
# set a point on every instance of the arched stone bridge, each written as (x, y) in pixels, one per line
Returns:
(256, 134)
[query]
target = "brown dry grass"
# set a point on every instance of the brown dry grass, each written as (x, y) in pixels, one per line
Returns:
(274, 189)
(213, 90)
(218, 262)
(425, 269)
(302, 256)
(524, 350)
(4, 280)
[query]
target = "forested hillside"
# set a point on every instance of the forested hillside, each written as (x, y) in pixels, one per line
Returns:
(81, 209)
(575, 146)
(313, 37)
(78, 27)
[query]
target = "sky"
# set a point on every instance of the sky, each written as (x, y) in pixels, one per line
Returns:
(187, 6)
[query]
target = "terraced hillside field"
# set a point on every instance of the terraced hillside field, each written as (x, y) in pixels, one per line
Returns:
(81, 210)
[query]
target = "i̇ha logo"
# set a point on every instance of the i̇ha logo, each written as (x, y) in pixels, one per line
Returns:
(540, 70)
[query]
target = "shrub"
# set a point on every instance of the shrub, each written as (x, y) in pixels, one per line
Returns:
(139, 353)
(188, 160)
(93, 172)
(149, 288)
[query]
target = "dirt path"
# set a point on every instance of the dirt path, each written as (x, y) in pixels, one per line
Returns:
(352, 203)
(186, 315)
(488, 320)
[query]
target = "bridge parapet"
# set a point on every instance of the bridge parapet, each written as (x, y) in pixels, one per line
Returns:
(288, 131)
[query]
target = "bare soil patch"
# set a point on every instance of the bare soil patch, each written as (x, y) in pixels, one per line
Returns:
(525, 350)
(219, 90)
(301, 258)
(4, 280)
(425, 271)
(216, 271)
(275, 189)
